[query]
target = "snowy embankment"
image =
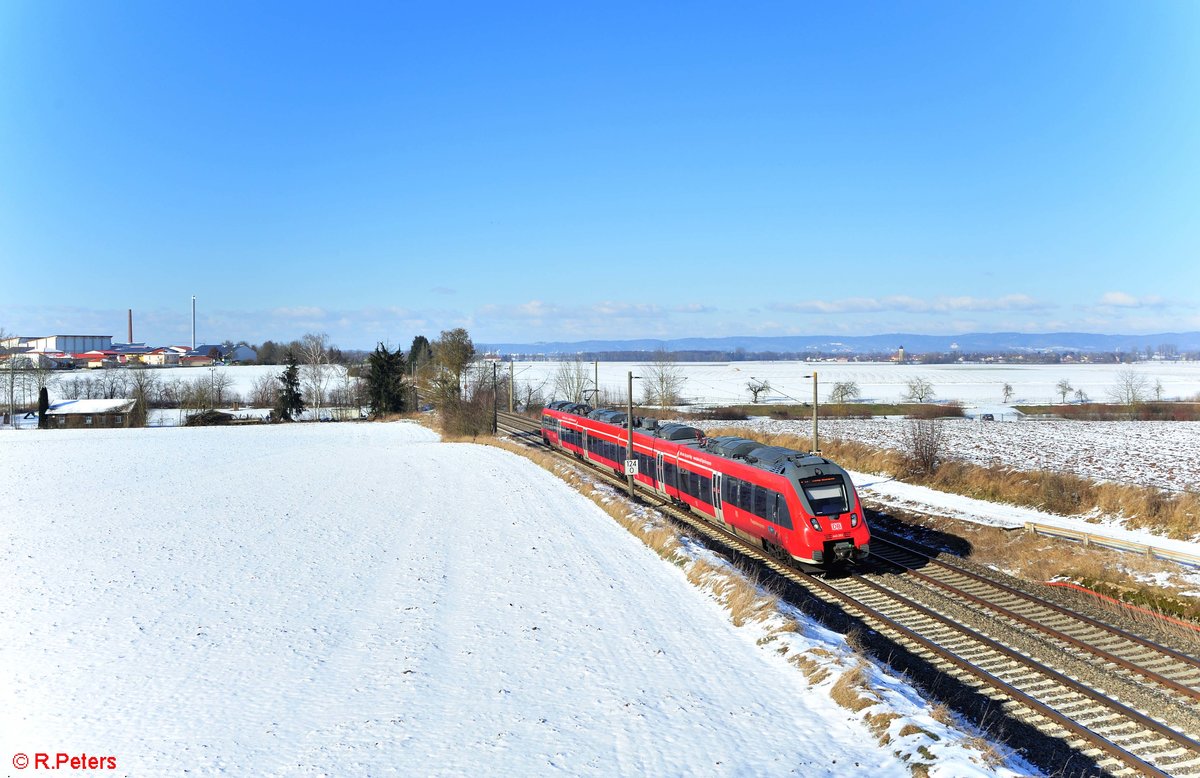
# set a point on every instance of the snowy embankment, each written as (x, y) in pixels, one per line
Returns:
(363, 599)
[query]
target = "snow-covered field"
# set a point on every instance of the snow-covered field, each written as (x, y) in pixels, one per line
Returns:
(363, 599)
(707, 383)
(1163, 454)
(725, 383)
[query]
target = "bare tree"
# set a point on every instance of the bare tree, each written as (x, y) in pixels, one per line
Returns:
(1064, 388)
(570, 379)
(1158, 389)
(918, 389)
(350, 394)
(1080, 396)
(1007, 392)
(115, 383)
(263, 392)
(1131, 388)
(528, 395)
(146, 386)
(844, 392)
(756, 388)
(314, 356)
(219, 383)
(924, 439)
(12, 381)
(663, 380)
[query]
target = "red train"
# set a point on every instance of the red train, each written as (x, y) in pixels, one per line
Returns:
(798, 507)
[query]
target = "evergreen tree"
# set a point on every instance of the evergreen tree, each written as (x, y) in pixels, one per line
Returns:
(385, 381)
(43, 406)
(290, 402)
(420, 353)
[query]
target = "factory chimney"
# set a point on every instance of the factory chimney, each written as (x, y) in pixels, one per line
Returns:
(130, 326)
(193, 322)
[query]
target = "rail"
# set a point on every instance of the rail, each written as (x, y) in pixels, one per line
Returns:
(1093, 539)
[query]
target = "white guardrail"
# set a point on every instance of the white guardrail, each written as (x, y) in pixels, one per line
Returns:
(1090, 539)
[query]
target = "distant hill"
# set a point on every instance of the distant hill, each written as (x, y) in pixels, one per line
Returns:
(989, 342)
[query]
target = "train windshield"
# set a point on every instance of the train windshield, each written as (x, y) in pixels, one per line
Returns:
(826, 495)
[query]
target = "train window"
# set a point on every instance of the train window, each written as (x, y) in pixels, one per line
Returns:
(760, 501)
(782, 516)
(704, 492)
(826, 495)
(740, 493)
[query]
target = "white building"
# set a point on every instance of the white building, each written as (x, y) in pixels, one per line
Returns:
(67, 344)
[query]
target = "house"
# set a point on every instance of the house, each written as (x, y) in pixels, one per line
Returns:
(196, 360)
(161, 357)
(95, 359)
(214, 350)
(85, 414)
(132, 353)
(242, 353)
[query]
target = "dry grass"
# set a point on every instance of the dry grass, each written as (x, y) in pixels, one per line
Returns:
(879, 723)
(851, 690)
(989, 753)
(1176, 514)
(815, 670)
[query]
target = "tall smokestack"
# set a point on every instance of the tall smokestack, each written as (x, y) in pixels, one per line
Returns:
(193, 322)
(130, 326)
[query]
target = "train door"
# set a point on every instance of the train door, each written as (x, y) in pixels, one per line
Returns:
(718, 510)
(658, 473)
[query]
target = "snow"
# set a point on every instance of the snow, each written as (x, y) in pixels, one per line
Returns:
(716, 383)
(364, 599)
(88, 406)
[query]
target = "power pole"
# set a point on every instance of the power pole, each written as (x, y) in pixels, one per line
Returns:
(816, 440)
(495, 415)
(511, 385)
(629, 427)
(596, 383)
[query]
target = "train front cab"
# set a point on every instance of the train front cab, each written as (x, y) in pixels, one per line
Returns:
(837, 526)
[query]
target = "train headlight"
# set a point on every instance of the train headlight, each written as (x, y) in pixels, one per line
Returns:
(815, 524)
(853, 519)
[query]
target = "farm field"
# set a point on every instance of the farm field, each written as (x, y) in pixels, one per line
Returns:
(1161, 454)
(725, 383)
(973, 384)
(364, 599)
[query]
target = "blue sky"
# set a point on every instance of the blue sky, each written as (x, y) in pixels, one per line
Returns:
(551, 171)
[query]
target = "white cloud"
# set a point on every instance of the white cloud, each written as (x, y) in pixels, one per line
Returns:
(299, 312)
(1125, 300)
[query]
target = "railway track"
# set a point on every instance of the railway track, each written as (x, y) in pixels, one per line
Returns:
(1126, 704)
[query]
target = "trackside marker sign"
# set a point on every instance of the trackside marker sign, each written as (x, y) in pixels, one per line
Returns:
(631, 467)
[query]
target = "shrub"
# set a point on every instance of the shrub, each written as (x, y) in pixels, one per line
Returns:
(924, 440)
(724, 413)
(467, 418)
